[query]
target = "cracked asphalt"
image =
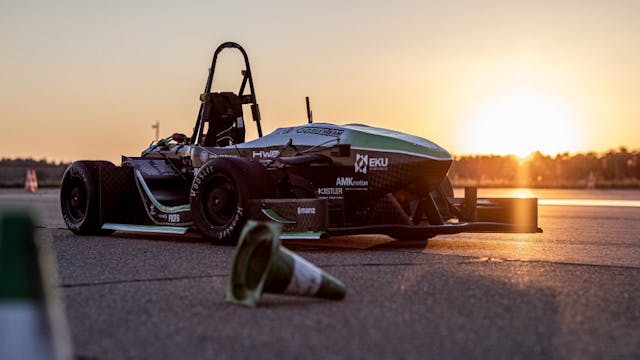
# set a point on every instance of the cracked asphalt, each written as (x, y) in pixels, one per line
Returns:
(571, 292)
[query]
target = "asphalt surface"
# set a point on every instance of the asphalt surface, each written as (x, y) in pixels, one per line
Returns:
(571, 292)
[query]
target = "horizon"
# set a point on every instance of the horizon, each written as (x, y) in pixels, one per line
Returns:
(493, 79)
(525, 158)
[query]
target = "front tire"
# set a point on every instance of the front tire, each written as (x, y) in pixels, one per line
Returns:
(220, 196)
(80, 197)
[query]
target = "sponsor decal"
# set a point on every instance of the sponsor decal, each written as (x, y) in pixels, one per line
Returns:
(320, 131)
(234, 222)
(330, 191)
(361, 163)
(265, 153)
(347, 181)
(364, 163)
(198, 180)
(306, 210)
(283, 131)
(379, 163)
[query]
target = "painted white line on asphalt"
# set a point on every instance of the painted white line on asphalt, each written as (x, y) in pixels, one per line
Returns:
(590, 202)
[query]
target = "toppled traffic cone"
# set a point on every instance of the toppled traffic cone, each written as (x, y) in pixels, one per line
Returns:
(31, 183)
(262, 264)
(32, 321)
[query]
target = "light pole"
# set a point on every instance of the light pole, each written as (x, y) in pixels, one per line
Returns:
(157, 127)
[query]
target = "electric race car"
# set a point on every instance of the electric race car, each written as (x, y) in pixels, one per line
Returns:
(315, 179)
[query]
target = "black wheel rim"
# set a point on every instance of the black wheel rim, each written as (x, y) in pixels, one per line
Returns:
(220, 201)
(76, 200)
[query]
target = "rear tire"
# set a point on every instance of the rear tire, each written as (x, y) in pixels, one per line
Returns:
(220, 196)
(80, 197)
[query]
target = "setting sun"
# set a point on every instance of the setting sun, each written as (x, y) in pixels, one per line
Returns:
(520, 122)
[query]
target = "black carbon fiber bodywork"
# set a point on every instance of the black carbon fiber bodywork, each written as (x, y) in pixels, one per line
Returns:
(116, 193)
(390, 195)
(124, 200)
(295, 215)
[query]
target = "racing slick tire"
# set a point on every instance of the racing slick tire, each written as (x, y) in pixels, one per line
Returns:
(220, 195)
(80, 197)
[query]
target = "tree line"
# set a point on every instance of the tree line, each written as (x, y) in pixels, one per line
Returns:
(13, 172)
(614, 169)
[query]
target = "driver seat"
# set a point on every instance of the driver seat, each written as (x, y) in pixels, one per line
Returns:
(224, 120)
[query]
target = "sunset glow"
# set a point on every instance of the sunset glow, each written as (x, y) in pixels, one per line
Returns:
(475, 77)
(521, 122)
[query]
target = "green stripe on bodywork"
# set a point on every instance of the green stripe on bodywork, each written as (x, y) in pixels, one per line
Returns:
(273, 215)
(163, 208)
(358, 136)
(305, 235)
(378, 139)
(145, 228)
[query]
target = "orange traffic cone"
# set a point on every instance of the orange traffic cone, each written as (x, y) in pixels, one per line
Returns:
(31, 184)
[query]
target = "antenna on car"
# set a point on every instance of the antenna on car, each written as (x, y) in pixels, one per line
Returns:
(309, 112)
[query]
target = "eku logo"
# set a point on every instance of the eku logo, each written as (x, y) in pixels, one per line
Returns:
(361, 164)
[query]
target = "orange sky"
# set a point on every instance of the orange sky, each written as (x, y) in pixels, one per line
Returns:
(83, 79)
